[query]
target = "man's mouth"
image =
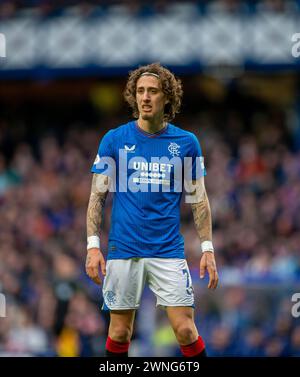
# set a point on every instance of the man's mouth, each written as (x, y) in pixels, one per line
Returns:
(146, 107)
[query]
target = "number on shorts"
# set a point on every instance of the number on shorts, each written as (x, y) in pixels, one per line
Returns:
(189, 289)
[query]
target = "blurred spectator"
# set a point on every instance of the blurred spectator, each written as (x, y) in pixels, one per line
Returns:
(295, 342)
(53, 8)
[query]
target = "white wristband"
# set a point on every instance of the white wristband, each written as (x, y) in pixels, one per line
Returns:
(93, 242)
(207, 246)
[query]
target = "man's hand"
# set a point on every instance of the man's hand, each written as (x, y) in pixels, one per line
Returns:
(208, 263)
(94, 259)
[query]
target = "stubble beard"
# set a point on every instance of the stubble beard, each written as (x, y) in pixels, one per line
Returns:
(147, 116)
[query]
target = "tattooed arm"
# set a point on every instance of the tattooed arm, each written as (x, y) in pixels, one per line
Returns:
(94, 259)
(203, 223)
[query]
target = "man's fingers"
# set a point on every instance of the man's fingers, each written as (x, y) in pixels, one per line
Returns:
(93, 262)
(202, 267)
(213, 278)
(102, 265)
(207, 263)
(216, 281)
(93, 273)
(97, 280)
(202, 272)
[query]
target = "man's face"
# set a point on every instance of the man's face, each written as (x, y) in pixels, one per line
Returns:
(150, 97)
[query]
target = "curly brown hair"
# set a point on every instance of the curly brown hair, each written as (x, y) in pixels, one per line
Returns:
(171, 87)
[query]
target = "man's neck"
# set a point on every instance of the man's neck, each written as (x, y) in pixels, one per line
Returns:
(151, 127)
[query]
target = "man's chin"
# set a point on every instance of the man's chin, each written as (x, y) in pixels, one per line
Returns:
(146, 116)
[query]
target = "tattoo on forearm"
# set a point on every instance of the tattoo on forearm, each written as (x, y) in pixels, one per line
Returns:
(202, 218)
(94, 211)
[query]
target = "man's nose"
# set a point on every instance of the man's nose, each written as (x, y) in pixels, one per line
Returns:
(146, 96)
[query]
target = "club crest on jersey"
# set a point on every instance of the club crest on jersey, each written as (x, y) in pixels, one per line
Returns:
(173, 148)
(129, 149)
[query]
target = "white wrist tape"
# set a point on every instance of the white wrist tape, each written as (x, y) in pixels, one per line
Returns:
(93, 242)
(207, 246)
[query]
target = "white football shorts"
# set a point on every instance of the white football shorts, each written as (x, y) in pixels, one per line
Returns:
(168, 278)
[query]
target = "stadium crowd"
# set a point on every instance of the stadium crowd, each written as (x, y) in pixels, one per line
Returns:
(90, 8)
(253, 183)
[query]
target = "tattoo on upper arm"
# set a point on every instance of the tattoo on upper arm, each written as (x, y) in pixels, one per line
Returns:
(96, 204)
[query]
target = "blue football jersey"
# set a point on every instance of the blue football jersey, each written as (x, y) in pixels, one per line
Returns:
(148, 172)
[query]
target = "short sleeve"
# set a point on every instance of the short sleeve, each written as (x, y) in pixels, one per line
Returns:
(105, 160)
(198, 168)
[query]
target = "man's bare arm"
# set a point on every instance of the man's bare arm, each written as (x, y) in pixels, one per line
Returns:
(94, 259)
(203, 223)
(201, 211)
(96, 204)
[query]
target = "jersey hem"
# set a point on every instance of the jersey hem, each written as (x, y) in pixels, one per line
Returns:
(176, 256)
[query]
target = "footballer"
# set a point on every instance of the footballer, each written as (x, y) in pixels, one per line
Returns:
(146, 163)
